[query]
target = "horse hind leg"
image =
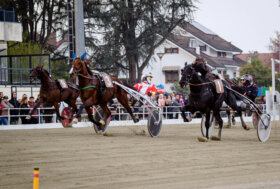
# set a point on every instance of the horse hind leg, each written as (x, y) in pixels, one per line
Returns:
(220, 122)
(122, 98)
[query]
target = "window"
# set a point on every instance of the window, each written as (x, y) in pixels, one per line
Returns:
(221, 54)
(171, 76)
(203, 48)
(192, 43)
(171, 50)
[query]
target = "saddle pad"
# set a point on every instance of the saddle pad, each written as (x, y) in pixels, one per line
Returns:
(219, 86)
(107, 80)
(63, 83)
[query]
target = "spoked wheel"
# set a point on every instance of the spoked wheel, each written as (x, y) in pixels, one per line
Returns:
(211, 126)
(255, 119)
(67, 114)
(264, 128)
(154, 123)
(99, 115)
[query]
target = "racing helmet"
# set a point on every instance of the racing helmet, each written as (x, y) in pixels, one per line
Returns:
(247, 79)
(147, 77)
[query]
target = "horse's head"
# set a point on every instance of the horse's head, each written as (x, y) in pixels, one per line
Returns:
(187, 73)
(36, 72)
(200, 65)
(77, 64)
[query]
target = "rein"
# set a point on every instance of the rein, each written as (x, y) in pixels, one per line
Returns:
(200, 84)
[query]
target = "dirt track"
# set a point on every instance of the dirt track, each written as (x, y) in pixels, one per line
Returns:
(125, 158)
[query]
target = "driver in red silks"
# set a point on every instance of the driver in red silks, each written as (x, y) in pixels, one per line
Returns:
(145, 87)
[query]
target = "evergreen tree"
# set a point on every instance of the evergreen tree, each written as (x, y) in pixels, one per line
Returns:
(124, 34)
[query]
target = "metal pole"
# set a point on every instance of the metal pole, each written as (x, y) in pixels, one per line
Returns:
(79, 27)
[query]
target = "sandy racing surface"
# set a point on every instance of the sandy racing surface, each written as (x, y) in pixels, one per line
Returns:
(128, 158)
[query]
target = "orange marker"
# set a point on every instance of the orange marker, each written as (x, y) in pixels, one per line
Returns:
(36, 178)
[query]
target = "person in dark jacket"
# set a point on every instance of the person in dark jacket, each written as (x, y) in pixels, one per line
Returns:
(24, 111)
(14, 112)
(250, 88)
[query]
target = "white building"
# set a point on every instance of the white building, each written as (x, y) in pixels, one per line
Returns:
(188, 41)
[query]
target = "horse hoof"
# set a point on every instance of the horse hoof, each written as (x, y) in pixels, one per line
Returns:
(136, 120)
(102, 122)
(215, 138)
(246, 128)
(202, 139)
(75, 120)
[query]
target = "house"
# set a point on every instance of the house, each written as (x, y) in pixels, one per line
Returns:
(188, 41)
(265, 58)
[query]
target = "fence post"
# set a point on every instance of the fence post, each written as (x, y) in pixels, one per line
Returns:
(9, 116)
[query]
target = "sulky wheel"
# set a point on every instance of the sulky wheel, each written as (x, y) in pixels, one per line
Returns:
(67, 114)
(154, 123)
(255, 119)
(264, 128)
(99, 115)
(211, 128)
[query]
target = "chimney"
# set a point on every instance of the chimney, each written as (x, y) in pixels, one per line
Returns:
(197, 50)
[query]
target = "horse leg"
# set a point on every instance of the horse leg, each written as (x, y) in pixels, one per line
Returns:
(86, 105)
(90, 117)
(56, 106)
(106, 111)
(122, 98)
(207, 125)
(220, 122)
(231, 101)
(185, 109)
(229, 118)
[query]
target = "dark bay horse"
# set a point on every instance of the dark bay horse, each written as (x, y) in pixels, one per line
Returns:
(204, 98)
(200, 65)
(52, 93)
(92, 94)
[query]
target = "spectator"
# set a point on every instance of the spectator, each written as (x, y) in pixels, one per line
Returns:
(14, 112)
(41, 111)
(161, 102)
(24, 110)
(34, 116)
(173, 95)
(5, 111)
(176, 109)
(1, 96)
(168, 107)
(38, 98)
(153, 99)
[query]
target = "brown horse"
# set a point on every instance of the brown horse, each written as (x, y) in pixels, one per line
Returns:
(52, 93)
(92, 94)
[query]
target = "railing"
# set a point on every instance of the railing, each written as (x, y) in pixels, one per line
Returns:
(7, 16)
(118, 113)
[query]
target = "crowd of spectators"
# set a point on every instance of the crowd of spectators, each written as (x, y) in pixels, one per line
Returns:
(170, 103)
(17, 109)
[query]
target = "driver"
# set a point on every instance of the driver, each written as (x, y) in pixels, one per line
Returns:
(146, 87)
(249, 87)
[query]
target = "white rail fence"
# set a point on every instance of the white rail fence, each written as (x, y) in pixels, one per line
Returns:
(119, 115)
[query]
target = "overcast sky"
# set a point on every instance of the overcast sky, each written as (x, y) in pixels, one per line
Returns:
(248, 24)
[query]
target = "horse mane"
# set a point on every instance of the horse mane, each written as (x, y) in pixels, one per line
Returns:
(88, 69)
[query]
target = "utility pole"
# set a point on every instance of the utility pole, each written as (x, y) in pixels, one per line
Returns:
(79, 27)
